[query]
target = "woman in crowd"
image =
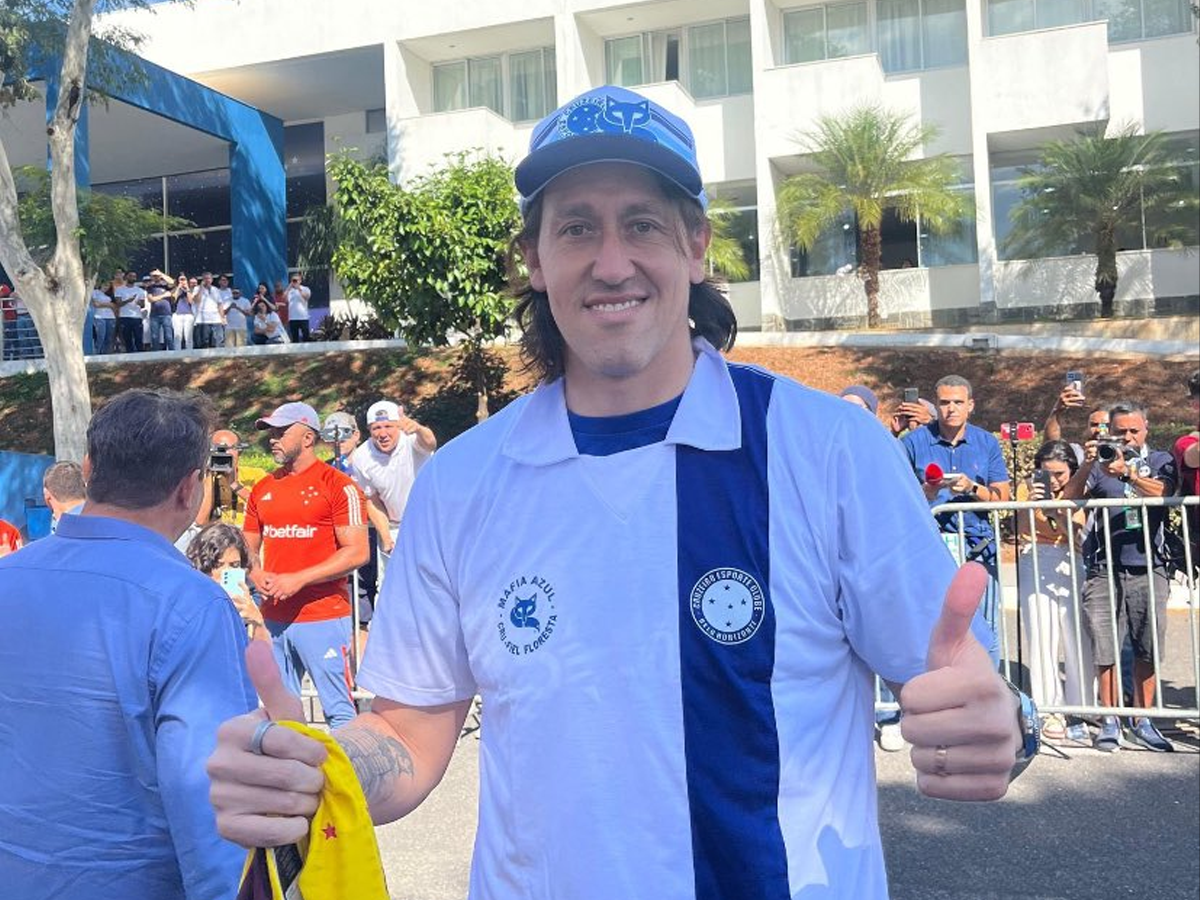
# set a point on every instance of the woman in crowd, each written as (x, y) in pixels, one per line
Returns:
(1052, 616)
(220, 552)
(183, 319)
(268, 329)
(263, 293)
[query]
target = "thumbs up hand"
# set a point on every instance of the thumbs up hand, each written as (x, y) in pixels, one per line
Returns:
(265, 799)
(960, 716)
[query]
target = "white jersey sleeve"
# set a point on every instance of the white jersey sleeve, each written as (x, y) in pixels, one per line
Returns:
(417, 654)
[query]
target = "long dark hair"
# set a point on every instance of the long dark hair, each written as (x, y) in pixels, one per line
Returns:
(543, 351)
(1057, 451)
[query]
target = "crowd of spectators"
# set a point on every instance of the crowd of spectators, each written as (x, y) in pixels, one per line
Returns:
(1092, 604)
(131, 313)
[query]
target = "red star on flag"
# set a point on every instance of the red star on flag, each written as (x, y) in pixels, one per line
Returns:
(330, 831)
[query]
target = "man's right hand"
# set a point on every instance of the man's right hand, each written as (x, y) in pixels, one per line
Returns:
(1069, 398)
(265, 800)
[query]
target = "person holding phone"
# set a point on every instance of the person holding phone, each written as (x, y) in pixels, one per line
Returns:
(1050, 540)
(973, 470)
(220, 552)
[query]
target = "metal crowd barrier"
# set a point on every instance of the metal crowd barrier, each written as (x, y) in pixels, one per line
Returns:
(1000, 514)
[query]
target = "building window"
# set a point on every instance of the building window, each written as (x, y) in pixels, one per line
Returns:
(1128, 20)
(531, 82)
(376, 121)
(481, 81)
(921, 34)
(716, 55)
(825, 32)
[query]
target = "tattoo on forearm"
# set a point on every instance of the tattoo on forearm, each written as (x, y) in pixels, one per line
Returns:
(377, 759)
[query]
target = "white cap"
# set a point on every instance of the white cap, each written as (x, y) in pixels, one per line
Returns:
(290, 414)
(384, 411)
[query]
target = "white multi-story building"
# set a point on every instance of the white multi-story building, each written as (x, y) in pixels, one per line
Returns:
(412, 81)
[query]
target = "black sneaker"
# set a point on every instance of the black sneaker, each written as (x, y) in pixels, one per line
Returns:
(1108, 738)
(1144, 734)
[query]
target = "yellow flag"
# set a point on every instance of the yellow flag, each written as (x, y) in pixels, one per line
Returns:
(340, 858)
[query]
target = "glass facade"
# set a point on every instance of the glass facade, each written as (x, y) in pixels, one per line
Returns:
(528, 79)
(202, 198)
(1176, 227)
(1128, 20)
(910, 34)
(716, 58)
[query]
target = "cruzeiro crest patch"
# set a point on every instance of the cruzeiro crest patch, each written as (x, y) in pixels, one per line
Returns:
(527, 614)
(728, 605)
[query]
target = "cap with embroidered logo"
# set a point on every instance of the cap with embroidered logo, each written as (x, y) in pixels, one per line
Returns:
(610, 124)
(383, 411)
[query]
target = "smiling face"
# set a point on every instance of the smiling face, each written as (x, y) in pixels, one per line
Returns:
(617, 263)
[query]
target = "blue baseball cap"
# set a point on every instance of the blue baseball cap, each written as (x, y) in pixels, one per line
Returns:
(610, 124)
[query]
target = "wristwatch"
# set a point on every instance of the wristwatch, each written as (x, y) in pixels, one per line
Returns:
(1031, 730)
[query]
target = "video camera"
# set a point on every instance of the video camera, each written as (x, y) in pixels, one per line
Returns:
(220, 457)
(336, 434)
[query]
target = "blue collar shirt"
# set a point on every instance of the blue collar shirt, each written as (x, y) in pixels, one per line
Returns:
(1125, 523)
(977, 454)
(118, 664)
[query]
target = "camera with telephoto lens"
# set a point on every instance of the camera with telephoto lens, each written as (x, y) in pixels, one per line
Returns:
(1108, 451)
(220, 457)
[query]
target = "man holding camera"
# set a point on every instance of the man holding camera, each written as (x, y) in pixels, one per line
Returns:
(1124, 467)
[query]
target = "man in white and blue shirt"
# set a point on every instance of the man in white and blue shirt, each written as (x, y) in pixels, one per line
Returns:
(119, 663)
(669, 578)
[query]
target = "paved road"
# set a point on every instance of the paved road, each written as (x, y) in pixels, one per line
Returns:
(1079, 825)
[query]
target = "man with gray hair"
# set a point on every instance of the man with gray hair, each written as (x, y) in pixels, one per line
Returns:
(111, 710)
(957, 462)
(63, 491)
(1125, 467)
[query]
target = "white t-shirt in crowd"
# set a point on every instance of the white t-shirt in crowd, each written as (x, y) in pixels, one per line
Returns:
(717, 600)
(272, 324)
(297, 300)
(134, 309)
(208, 305)
(388, 477)
(102, 312)
(235, 313)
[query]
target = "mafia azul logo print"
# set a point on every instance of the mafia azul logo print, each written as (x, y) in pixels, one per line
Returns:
(728, 605)
(608, 116)
(527, 616)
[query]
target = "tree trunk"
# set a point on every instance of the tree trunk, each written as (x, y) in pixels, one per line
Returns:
(1106, 268)
(55, 293)
(59, 320)
(870, 255)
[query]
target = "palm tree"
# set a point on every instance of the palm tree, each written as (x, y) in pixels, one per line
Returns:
(1086, 190)
(863, 162)
(725, 255)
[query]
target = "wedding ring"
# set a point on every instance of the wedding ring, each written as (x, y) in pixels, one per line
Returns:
(260, 732)
(939, 760)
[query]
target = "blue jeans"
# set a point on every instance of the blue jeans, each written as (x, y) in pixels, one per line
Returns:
(318, 648)
(130, 331)
(106, 335)
(162, 333)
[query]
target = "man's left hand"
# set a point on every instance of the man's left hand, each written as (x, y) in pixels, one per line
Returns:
(960, 716)
(407, 425)
(281, 585)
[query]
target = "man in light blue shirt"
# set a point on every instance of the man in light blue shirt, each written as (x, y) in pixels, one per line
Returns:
(118, 663)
